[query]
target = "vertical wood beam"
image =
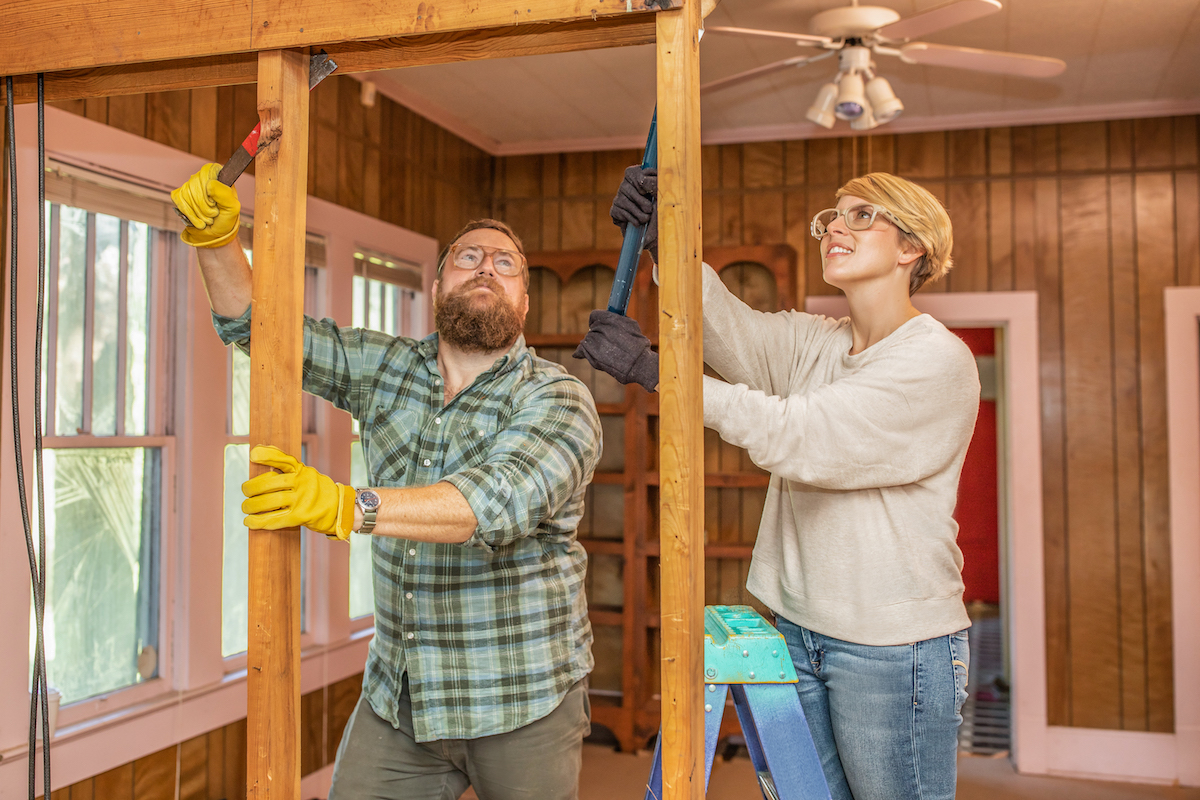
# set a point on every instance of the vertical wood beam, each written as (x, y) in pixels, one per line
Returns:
(681, 439)
(273, 658)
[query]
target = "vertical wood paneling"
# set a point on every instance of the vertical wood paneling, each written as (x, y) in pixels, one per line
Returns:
(1091, 538)
(168, 118)
(1083, 146)
(1127, 427)
(1156, 270)
(1000, 236)
(154, 775)
(968, 208)
(1154, 143)
(116, 784)
(202, 119)
(1054, 508)
(1187, 228)
(193, 769)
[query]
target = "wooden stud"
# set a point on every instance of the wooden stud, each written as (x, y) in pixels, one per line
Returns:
(273, 656)
(681, 415)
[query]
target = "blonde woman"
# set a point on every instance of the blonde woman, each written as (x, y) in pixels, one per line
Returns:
(863, 423)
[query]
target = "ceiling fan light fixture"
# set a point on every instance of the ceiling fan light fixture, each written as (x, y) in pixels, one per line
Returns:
(866, 121)
(884, 103)
(851, 100)
(821, 111)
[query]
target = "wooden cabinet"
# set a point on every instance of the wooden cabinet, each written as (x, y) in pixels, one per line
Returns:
(620, 524)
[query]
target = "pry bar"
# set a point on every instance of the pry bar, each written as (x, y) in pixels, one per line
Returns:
(320, 66)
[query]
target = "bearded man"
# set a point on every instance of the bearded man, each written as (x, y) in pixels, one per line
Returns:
(479, 453)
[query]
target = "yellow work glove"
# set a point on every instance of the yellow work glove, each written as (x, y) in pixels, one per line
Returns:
(212, 207)
(296, 495)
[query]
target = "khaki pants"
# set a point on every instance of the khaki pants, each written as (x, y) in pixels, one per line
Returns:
(541, 760)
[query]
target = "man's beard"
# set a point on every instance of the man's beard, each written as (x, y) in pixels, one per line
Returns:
(475, 327)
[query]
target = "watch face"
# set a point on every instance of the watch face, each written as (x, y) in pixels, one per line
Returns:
(368, 500)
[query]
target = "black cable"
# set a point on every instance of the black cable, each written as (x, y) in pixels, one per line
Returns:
(36, 566)
(39, 473)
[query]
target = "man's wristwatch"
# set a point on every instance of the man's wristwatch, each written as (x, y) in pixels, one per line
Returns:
(368, 501)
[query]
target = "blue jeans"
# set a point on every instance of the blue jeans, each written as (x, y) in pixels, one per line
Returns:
(884, 719)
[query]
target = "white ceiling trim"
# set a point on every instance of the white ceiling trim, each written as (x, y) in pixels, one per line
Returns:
(772, 133)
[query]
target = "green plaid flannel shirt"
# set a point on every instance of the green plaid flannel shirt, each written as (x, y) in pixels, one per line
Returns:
(494, 631)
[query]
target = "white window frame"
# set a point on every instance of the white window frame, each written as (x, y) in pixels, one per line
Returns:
(196, 693)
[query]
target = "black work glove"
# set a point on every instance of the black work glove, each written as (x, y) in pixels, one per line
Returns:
(615, 344)
(637, 202)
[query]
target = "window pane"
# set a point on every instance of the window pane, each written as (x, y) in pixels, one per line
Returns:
(362, 595)
(360, 302)
(236, 559)
(137, 339)
(240, 387)
(72, 276)
(104, 325)
(102, 522)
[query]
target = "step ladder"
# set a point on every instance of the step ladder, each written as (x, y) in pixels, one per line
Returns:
(743, 653)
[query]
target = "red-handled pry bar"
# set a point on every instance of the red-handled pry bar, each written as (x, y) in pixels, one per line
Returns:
(320, 66)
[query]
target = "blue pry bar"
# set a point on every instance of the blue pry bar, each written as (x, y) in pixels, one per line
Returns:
(635, 236)
(740, 646)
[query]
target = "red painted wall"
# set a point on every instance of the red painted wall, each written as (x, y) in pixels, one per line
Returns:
(978, 495)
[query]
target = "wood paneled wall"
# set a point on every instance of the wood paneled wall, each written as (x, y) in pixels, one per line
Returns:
(384, 161)
(1097, 218)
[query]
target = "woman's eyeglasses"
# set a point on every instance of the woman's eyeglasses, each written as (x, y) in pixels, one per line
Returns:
(858, 218)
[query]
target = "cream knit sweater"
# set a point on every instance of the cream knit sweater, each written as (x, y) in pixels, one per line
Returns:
(857, 540)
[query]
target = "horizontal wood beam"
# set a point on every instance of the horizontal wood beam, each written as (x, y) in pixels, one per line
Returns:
(55, 35)
(351, 57)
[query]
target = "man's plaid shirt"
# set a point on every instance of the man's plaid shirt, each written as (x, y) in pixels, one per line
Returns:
(492, 632)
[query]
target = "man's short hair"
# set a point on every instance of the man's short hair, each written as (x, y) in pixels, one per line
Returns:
(493, 224)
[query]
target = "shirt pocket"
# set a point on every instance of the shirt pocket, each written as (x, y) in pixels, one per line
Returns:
(390, 440)
(471, 444)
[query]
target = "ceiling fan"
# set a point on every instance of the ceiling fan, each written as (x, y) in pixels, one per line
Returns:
(856, 32)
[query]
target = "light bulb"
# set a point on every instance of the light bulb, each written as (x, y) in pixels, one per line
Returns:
(851, 101)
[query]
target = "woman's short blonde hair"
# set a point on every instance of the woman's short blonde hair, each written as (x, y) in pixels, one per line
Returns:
(917, 209)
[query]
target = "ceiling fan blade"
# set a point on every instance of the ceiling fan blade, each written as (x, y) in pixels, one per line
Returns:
(798, 38)
(943, 55)
(795, 61)
(936, 19)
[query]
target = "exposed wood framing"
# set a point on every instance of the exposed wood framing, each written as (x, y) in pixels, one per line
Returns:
(53, 35)
(681, 406)
(351, 57)
(273, 656)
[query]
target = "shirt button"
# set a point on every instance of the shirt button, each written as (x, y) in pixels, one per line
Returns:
(408, 595)
(437, 381)
(437, 420)
(411, 635)
(412, 552)
(427, 462)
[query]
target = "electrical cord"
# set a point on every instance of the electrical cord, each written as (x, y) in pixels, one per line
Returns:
(39, 694)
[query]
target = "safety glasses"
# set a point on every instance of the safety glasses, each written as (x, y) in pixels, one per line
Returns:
(470, 256)
(858, 218)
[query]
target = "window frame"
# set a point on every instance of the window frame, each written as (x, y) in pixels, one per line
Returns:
(196, 692)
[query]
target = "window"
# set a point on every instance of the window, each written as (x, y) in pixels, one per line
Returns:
(385, 299)
(106, 390)
(235, 589)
